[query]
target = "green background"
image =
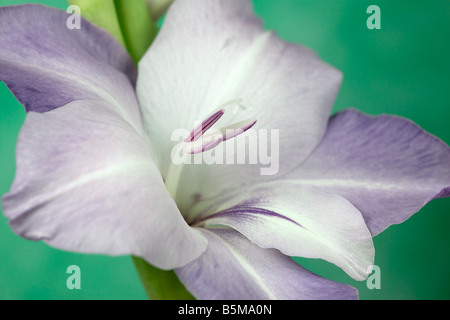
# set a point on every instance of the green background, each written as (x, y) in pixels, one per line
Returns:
(401, 69)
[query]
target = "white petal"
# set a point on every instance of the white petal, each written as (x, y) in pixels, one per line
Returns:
(297, 220)
(210, 52)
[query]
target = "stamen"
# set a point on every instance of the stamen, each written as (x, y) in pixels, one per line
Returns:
(198, 141)
(204, 126)
(204, 144)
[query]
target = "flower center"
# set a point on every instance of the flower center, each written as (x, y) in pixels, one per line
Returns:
(203, 138)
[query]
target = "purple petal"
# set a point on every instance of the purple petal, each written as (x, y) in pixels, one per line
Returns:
(295, 219)
(233, 268)
(47, 65)
(86, 182)
(210, 52)
(387, 166)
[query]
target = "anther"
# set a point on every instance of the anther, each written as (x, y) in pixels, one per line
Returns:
(199, 141)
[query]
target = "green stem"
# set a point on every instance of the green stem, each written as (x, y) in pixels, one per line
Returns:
(160, 284)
